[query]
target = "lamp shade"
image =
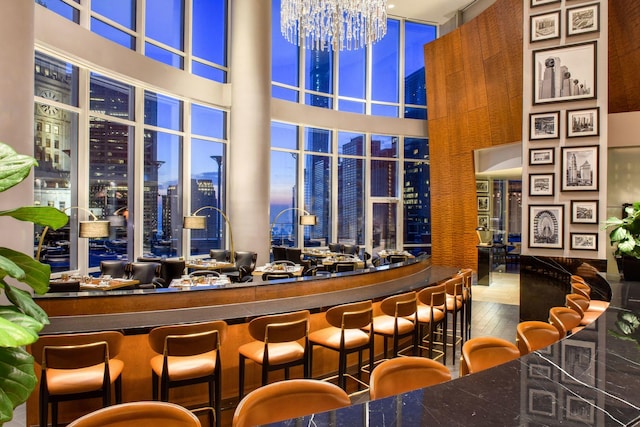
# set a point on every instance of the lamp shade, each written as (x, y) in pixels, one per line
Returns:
(194, 222)
(93, 229)
(308, 220)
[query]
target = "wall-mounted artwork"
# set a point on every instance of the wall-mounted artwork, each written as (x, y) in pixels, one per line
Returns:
(580, 168)
(541, 184)
(584, 212)
(535, 3)
(546, 228)
(541, 156)
(584, 241)
(583, 19)
(482, 185)
(545, 26)
(583, 122)
(544, 125)
(564, 73)
(483, 203)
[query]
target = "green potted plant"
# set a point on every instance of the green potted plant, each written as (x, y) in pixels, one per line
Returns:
(21, 319)
(625, 238)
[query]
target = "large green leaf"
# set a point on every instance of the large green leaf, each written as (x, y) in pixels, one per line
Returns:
(17, 317)
(41, 215)
(36, 274)
(13, 335)
(17, 380)
(25, 303)
(14, 167)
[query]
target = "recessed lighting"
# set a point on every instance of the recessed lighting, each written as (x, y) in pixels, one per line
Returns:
(391, 6)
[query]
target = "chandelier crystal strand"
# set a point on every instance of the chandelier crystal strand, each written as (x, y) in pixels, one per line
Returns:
(333, 24)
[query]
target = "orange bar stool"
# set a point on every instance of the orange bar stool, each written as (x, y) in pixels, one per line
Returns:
(432, 313)
(566, 320)
(534, 335)
(288, 399)
(346, 334)
(580, 304)
(455, 308)
(188, 354)
(77, 366)
(399, 319)
(280, 342)
(467, 275)
(403, 374)
(482, 353)
(139, 414)
(585, 290)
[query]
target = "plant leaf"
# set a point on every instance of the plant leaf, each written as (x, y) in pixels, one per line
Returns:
(41, 215)
(13, 335)
(15, 316)
(36, 274)
(14, 167)
(24, 302)
(17, 380)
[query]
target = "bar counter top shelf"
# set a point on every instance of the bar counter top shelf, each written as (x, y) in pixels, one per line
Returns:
(591, 378)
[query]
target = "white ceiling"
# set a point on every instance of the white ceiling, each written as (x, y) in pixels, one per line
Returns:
(436, 11)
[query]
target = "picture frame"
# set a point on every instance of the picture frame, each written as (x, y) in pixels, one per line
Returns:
(535, 3)
(546, 226)
(540, 371)
(580, 168)
(583, 122)
(482, 185)
(542, 156)
(483, 221)
(583, 19)
(542, 402)
(544, 125)
(579, 362)
(584, 211)
(483, 203)
(580, 409)
(541, 184)
(583, 241)
(566, 73)
(544, 26)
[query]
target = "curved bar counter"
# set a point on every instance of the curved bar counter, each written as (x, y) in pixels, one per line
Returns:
(591, 378)
(136, 312)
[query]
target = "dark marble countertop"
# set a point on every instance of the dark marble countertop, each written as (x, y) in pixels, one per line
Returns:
(589, 379)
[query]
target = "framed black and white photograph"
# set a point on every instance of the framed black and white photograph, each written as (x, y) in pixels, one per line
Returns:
(483, 221)
(545, 26)
(535, 3)
(541, 184)
(584, 212)
(579, 362)
(542, 402)
(583, 19)
(583, 122)
(537, 370)
(580, 409)
(584, 241)
(482, 185)
(546, 227)
(483, 203)
(541, 156)
(544, 125)
(566, 73)
(580, 168)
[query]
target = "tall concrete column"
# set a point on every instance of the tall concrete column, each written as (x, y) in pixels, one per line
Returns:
(16, 111)
(250, 149)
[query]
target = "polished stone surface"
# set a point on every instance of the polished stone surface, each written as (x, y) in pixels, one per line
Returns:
(589, 379)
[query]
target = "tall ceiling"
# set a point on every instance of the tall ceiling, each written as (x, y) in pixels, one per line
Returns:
(436, 11)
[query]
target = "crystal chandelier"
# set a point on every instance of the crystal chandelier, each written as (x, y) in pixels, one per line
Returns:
(333, 24)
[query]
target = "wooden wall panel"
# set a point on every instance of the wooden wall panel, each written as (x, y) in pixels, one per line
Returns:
(475, 101)
(624, 56)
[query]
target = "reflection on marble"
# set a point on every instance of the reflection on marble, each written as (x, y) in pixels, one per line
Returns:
(591, 378)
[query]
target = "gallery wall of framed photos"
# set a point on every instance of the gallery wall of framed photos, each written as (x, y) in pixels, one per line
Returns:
(565, 127)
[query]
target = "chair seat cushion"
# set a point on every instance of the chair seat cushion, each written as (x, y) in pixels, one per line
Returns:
(279, 353)
(385, 325)
(597, 305)
(454, 302)
(330, 337)
(589, 317)
(186, 367)
(424, 314)
(81, 380)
